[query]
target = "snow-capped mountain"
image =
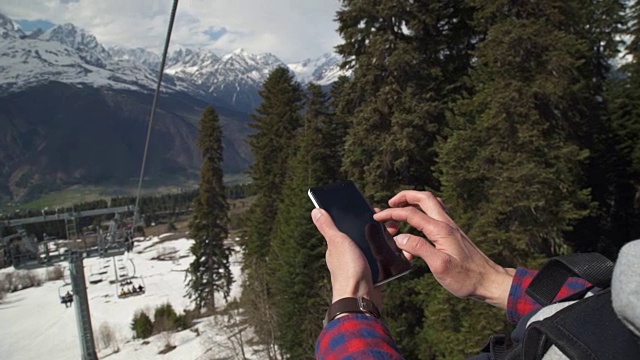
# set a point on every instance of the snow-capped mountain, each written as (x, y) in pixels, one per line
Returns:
(87, 46)
(137, 55)
(69, 54)
(237, 77)
(9, 29)
(322, 71)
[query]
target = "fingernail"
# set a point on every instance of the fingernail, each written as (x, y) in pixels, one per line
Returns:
(402, 239)
(315, 214)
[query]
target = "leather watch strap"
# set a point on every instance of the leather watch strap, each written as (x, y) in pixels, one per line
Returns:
(351, 305)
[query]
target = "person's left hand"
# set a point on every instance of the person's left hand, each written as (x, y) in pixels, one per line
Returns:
(350, 273)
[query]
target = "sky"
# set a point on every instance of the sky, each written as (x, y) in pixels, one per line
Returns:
(291, 29)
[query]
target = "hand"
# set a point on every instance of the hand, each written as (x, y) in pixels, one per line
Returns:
(456, 263)
(350, 273)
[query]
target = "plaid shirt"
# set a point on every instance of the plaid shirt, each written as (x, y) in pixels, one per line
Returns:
(358, 336)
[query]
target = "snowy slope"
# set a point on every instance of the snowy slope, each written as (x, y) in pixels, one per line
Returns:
(322, 71)
(137, 55)
(42, 328)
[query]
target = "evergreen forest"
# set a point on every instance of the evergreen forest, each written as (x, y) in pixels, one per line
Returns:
(524, 116)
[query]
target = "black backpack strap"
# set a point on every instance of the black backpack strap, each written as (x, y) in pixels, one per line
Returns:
(588, 329)
(593, 267)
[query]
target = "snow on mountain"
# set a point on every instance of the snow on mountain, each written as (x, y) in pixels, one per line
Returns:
(90, 50)
(323, 70)
(68, 54)
(236, 77)
(27, 62)
(240, 67)
(193, 65)
(137, 55)
(9, 29)
(71, 55)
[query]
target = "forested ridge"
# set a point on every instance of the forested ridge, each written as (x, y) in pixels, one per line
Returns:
(518, 114)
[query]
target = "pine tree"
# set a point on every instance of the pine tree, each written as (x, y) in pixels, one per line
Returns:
(624, 98)
(600, 25)
(510, 169)
(209, 272)
(276, 123)
(407, 58)
(296, 262)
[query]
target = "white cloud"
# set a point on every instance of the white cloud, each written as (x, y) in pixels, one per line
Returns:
(291, 29)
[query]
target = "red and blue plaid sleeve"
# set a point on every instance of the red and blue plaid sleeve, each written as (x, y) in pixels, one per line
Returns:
(520, 304)
(355, 337)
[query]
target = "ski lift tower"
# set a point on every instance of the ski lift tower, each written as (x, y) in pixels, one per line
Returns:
(111, 247)
(79, 288)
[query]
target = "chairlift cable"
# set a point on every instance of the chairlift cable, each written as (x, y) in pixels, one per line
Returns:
(153, 110)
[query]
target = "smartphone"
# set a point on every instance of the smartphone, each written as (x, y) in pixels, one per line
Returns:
(353, 216)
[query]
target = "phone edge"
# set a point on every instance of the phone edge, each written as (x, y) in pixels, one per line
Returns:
(392, 278)
(313, 200)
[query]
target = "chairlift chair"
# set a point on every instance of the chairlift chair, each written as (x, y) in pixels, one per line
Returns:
(65, 294)
(96, 276)
(130, 287)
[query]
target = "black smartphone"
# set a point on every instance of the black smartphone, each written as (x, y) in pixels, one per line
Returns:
(353, 216)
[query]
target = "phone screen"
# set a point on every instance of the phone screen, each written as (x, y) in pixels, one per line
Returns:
(353, 216)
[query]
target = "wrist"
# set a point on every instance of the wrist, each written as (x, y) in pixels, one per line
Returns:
(367, 292)
(351, 305)
(496, 286)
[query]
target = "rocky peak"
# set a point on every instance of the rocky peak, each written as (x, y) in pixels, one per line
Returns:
(84, 43)
(9, 29)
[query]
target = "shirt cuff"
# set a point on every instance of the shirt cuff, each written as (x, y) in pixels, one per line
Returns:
(519, 303)
(356, 336)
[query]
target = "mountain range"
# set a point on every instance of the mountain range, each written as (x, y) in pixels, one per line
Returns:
(75, 112)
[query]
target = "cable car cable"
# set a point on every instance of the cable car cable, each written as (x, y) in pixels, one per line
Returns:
(136, 213)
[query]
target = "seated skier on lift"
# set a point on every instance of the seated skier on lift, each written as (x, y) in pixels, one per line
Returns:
(67, 299)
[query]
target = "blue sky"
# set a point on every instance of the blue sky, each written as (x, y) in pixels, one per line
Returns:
(291, 29)
(31, 25)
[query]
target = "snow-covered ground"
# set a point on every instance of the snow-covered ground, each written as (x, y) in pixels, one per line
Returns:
(35, 325)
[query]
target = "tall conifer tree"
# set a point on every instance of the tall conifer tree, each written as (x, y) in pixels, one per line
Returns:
(409, 60)
(511, 170)
(209, 272)
(299, 278)
(624, 98)
(276, 122)
(600, 25)
(407, 57)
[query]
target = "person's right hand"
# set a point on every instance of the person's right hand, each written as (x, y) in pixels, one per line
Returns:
(456, 263)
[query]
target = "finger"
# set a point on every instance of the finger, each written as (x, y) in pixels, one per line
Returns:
(417, 246)
(425, 200)
(432, 228)
(444, 206)
(325, 225)
(413, 216)
(408, 256)
(392, 226)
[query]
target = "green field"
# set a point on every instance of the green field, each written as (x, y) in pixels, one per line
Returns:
(82, 193)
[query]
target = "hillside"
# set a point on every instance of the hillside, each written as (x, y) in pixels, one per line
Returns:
(56, 135)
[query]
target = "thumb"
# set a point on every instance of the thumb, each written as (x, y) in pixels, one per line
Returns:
(324, 223)
(415, 245)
